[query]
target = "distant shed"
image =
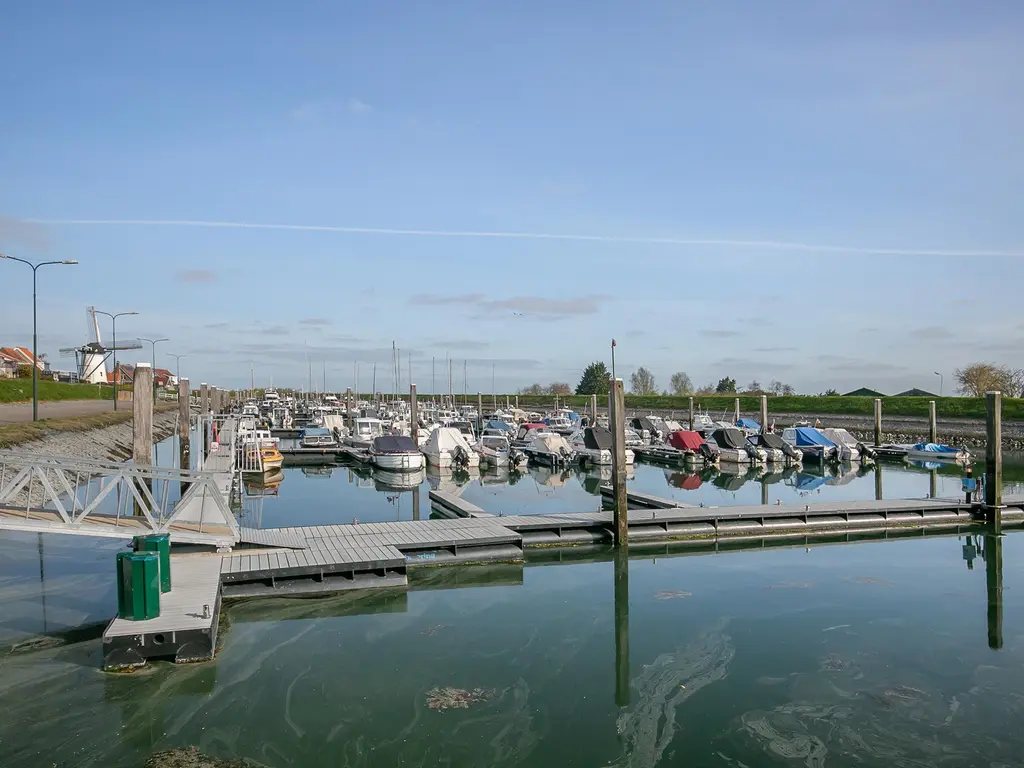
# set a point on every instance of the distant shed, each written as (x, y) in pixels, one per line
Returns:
(864, 392)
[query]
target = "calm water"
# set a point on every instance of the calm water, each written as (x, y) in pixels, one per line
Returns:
(898, 653)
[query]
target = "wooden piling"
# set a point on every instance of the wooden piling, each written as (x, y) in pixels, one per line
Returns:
(736, 411)
(878, 421)
(622, 628)
(691, 414)
(593, 409)
(184, 426)
(994, 460)
(994, 588)
(617, 424)
(204, 399)
(214, 400)
(764, 413)
(414, 423)
(142, 415)
(479, 413)
(933, 432)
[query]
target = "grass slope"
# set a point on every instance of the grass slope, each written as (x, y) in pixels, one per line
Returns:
(15, 434)
(20, 390)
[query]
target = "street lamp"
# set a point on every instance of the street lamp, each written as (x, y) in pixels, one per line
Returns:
(940, 381)
(113, 342)
(154, 342)
(177, 364)
(35, 353)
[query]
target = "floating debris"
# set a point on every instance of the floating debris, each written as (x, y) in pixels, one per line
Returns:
(870, 580)
(790, 585)
(832, 663)
(191, 757)
(456, 698)
(671, 594)
(433, 630)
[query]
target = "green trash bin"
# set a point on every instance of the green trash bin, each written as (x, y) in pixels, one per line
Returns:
(138, 585)
(161, 544)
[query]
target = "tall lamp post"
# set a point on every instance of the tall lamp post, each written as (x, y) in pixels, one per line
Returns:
(940, 381)
(177, 364)
(35, 351)
(113, 343)
(154, 342)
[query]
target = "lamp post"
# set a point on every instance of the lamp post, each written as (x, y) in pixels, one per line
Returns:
(154, 342)
(35, 351)
(177, 364)
(113, 343)
(940, 381)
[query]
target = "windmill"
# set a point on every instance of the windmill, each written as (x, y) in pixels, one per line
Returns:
(91, 357)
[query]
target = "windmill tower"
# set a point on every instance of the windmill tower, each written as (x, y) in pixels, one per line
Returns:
(92, 356)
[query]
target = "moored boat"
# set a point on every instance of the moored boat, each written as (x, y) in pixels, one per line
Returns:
(850, 448)
(776, 450)
(550, 449)
(733, 447)
(396, 453)
(447, 448)
(593, 445)
(811, 443)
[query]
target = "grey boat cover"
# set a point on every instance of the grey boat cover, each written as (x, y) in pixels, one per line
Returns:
(768, 440)
(640, 423)
(394, 444)
(597, 438)
(730, 438)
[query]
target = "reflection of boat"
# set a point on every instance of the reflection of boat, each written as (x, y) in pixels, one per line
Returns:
(593, 477)
(844, 474)
(449, 480)
(266, 484)
(729, 481)
(396, 452)
(391, 480)
(805, 481)
(318, 470)
(687, 481)
(778, 474)
(550, 476)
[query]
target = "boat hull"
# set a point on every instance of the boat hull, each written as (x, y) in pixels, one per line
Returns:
(400, 462)
(444, 460)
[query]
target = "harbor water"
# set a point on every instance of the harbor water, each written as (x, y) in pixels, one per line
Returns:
(907, 652)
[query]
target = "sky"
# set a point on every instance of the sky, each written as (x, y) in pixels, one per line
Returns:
(827, 194)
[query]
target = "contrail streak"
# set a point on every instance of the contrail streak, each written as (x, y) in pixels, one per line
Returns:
(776, 245)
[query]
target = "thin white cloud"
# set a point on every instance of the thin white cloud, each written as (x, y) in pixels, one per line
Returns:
(357, 107)
(770, 245)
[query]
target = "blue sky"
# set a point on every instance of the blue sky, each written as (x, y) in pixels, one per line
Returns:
(703, 152)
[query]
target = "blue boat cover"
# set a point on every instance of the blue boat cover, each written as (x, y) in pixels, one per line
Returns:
(746, 423)
(811, 436)
(934, 448)
(573, 416)
(497, 424)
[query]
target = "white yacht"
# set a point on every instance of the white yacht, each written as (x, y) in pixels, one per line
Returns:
(396, 452)
(364, 430)
(447, 447)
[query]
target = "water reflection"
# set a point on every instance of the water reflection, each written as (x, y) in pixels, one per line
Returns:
(993, 555)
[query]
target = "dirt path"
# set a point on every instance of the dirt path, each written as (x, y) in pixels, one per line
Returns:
(18, 413)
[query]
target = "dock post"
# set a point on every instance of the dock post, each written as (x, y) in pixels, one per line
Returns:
(994, 460)
(994, 587)
(142, 416)
(764, 413)
(184, 426)
(214, 400)
(736, 411)
(479, 413)
(622, 628)
(878, 421)
(691, 414)
(204, 399)
(617, 424)
(878, 481)
(414, 420)
(593, 409)
(933, 432)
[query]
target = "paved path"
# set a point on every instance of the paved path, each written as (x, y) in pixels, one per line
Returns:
(16, 413)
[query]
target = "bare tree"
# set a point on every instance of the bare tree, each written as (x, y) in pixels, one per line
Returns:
(681, 384)
(642, 382)
(559, 388)
(976, 379)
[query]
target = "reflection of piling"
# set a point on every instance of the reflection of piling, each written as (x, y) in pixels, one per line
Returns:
(878, 422)
(416, 503)
(618, 428)
(994, 460)
(878, 481)
(764, 413)
(933, 484)
(621, 628)
(933, 430)
(994, 585)
(691, 414)
(764, 492)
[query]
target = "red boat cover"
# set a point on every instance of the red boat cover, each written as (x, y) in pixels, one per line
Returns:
(685, 441)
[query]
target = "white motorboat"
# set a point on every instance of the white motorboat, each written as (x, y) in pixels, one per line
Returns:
(448, 448)
(526, 432)
(734, 448)
(593, 445)
(937, 452)
(364, 430)
(633, 439)
(776, 450)
(550, 449)
(850, 448)
(496, 451)
(396, 452)
(317, 437)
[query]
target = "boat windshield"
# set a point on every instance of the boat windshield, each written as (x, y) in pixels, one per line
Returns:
(496, 442)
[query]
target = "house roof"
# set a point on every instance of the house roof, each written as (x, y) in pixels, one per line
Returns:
(19, 354)
(915, 392)
(864, 392)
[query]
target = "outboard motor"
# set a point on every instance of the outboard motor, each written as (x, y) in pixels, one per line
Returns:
(460, 458)
(865, 452)
(752, 452)
(708, 452)
(791, 452)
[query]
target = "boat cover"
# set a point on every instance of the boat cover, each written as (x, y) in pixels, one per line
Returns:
(597, 438)
(446, 439)
(730, 438)
(812, 436)
(935, 448)
(640, 423)
(685, 441)
(368, 413)
(526, 429)
(394, 444)
(498, 424)
(550, 444)
(746, 423)
(840, 437)
(768, 440)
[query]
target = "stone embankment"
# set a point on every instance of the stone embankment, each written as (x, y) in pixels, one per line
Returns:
(112, 443)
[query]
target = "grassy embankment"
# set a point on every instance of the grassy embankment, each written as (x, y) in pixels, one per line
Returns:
(16, 434)
(20, 390)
